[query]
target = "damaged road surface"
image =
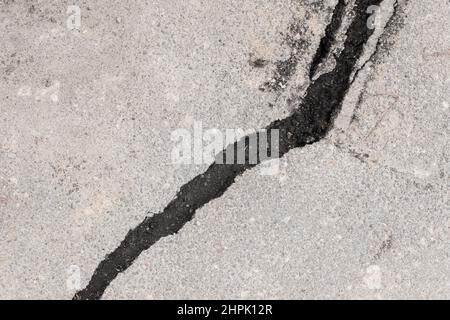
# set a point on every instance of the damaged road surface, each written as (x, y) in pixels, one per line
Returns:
(307, 124)
(352, 202)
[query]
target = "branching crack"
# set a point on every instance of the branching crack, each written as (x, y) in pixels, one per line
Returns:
(309, 123)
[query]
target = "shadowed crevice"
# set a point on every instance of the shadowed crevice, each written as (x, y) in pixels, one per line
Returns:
(308, 124)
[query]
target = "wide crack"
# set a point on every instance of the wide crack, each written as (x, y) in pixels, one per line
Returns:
(309, 123)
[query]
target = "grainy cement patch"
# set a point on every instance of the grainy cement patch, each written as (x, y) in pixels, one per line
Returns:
(85, 124)
(364, 214)
(86, 116)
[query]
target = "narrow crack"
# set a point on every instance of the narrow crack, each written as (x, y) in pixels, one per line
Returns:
(329, 39)
(374, 55)
(309, 123)
(376, 51)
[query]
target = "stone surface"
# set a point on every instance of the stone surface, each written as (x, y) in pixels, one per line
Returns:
(86, 118)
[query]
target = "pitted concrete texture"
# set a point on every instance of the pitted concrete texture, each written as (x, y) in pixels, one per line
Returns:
(363, 215)
(332, 228)
(87, 115)
(86, 118)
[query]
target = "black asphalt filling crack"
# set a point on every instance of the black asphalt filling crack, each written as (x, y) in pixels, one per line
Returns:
(327, 42)
(285, 69)
(309, 123)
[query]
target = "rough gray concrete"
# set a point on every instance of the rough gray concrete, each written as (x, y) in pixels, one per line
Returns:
(86, 118)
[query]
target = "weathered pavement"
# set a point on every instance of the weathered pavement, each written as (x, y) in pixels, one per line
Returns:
(86, 119)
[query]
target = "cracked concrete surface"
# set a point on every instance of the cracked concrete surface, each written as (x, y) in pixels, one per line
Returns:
(85, 124)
